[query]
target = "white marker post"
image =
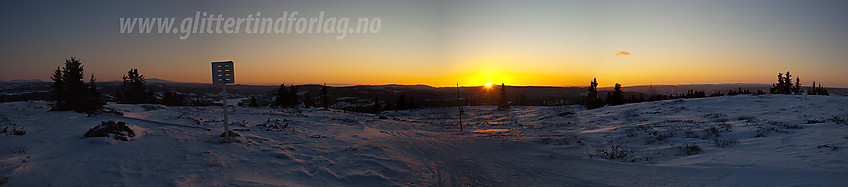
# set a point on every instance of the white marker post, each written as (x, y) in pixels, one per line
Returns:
(222, 73)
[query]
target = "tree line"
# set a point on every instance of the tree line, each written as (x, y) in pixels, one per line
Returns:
(784, 85)
(70, 92)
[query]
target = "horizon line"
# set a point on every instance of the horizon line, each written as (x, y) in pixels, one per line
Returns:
(420, 84)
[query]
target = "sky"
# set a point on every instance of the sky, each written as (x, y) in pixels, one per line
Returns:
(442, 43)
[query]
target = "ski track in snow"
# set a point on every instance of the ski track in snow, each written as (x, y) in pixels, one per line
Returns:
(744, 140)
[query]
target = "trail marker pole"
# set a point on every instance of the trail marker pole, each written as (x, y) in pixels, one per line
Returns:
(459, 106)
(222, 73)
(226, 115)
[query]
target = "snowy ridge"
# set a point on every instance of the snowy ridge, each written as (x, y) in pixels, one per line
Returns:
(732, 140)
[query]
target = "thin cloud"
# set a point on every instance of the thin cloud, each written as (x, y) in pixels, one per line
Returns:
(623, 52)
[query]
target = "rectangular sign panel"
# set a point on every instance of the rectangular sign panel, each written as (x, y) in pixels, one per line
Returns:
(222, 72)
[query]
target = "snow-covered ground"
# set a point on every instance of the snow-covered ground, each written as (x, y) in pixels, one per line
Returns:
(763, 140)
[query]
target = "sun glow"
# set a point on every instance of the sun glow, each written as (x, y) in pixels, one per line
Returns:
(488, 84)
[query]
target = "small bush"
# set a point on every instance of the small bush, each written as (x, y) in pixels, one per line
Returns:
(828, 146)
(657, 136)
(761, 133)
(838, 120)
(610, 150)
(712, 132)
(15, 130)
(3, 180)
(691, 149)
(18, 131)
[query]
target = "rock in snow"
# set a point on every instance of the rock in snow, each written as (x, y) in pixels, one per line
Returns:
(115, 129)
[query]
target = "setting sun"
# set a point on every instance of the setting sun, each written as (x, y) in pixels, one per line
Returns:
(488, 84)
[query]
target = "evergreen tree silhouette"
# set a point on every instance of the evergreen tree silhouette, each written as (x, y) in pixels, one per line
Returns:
(810, 89)
(134, 88)
(503, 103)
(817, 90)
(325, 100)
(70, 92)
(75, 89)
(822, 91)
(293, 99)
(784, 84)
(787, 84)
(282, 95)
(93, 103)
(58, 92)
(592, 100)
(617, 95)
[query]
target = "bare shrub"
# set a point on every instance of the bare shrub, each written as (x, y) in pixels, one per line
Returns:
(828, 146)
(691, 149)
(838, 120)
(610, 150)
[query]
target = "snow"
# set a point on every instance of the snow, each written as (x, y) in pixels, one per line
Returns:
(786, 140)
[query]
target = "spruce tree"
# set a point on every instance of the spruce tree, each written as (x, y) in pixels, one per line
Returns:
(325, 100)
(787, 84)
(592, 98)
(503, 103)
(282, 95)
(94, 103)
(72, 76)
(810, 89)
(293, 100)
(784, 84)
(134, 88)
(617, 95)
(58, 92)
(70, 92)
(822, 91)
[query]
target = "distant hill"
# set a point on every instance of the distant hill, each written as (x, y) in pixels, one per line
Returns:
(24, 80)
